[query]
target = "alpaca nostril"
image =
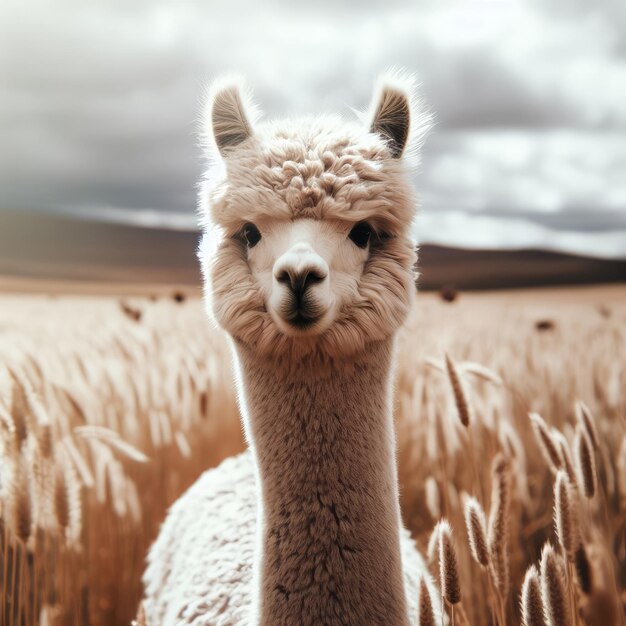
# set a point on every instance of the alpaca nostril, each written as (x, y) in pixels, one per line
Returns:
(312, 277)
(300, 282)
(283, 277)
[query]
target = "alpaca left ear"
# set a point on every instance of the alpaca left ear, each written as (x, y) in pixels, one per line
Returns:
(231, 114)
(391, 114)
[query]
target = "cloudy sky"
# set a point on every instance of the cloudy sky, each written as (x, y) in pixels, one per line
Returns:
(99, 102)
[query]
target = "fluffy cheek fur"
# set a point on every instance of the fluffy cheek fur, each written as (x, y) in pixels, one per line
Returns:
(384, 296)
(232, 297)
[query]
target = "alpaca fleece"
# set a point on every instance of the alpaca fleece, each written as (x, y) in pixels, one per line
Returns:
(200, 568)
(305, 530)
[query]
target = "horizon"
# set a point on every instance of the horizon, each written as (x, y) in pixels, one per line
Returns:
(481, 232)
(93, 249)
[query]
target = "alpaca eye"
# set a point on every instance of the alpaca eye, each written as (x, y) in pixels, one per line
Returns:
(361, 234)
(251, 235)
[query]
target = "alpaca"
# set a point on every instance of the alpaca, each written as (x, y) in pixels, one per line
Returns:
(308, 266)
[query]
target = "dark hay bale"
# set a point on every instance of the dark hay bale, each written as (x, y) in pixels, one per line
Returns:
(544, 325)
(448, 293)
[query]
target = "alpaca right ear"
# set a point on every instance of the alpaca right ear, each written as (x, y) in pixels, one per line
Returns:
(231, 112)
(390, 111)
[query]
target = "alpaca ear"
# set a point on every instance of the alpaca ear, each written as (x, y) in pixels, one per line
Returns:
(391, 113)
(231, 114)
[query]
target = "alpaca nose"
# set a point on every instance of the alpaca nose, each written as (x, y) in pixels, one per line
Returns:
(299, 269)
(300, 281)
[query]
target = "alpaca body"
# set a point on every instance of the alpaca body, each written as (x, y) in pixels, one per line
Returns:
(200, 570)
(308, 266)
(318, 533)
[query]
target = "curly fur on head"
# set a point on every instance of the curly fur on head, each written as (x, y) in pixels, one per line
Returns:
(324, 169)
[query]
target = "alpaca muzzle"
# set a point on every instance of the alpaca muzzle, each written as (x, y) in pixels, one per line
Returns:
(301, 275)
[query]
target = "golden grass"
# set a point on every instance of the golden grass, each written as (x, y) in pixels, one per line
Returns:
(550, 421)
(104, 420)
(109, 410)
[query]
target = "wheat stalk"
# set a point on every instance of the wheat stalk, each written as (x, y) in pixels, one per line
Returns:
(113, 440)
(588, 423)
(61, 500)
(585, 462)
(22, 504)
(81, 466)
(553, 589)
(531, 603)
(476, 531)
(432, 549)
(18, 410)
(565, 515)
(480, 371)
(426, 613)
(448, 568)
(566, 457)
(459, 392)
(498, 527)
(546, 442)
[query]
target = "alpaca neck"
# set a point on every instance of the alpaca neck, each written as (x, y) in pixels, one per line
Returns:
(324, 446)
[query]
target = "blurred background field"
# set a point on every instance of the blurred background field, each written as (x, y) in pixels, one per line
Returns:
(111, 406)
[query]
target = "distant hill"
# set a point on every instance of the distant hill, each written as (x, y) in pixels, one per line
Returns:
(502, 269)
(64, 248)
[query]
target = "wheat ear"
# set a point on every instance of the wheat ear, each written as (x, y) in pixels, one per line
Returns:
(565, 515)
(426, 613)
(585, 462)
(459, 391)
(476, 531)
(546, 442)
(448, 567)
(531, 603)
(553, 589)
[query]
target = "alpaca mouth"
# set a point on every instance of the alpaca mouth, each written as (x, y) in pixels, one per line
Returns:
(300, 318)
(302, 321)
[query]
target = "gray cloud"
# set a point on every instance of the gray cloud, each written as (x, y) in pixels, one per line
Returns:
(99, 101)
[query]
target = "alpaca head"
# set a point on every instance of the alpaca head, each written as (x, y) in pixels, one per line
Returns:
(307, 245)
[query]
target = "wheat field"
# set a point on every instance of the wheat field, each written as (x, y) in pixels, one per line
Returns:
(511, 425)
